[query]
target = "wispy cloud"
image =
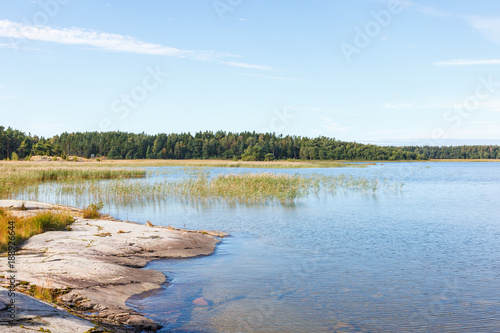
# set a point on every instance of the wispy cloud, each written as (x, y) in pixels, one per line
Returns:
(468, 62)
(109, 42)
(245, 65)
(330, 126)
(489, 27)
(271, 77)
(99, 40)
(15, 46)
(431, 11)
(397, 106)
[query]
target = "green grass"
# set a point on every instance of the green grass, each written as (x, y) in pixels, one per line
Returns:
(26, 227)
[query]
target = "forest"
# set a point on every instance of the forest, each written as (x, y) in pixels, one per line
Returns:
(249, 146)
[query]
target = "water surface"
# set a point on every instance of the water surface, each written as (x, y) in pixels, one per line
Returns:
(426, 258)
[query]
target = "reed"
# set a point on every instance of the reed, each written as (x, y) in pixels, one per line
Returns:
(239, 188)
(24, 228)
(16, 176)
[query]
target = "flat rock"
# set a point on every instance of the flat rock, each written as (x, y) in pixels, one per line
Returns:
(102, 260)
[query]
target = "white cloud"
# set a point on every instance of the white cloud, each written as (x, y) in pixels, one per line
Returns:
(487, 26)
(100, 40)
(467, 62)
(107, 41)
(245, 65)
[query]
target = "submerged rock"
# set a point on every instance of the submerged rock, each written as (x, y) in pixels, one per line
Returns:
(200, 301)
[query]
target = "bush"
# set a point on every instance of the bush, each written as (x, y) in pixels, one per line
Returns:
(24, 228)
(93, 211)
(15, 157)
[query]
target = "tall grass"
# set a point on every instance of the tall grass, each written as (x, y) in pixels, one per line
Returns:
(93, 211)
(14, 177)
(239, 188)
(26, 227)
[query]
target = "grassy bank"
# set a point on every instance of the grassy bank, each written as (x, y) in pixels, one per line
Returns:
(24, 228)
(279, 164)
(18, 175)
(240, 188)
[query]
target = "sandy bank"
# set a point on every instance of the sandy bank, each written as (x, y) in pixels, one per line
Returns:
(101, 261)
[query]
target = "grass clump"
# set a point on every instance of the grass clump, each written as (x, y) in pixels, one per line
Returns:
(23, 228)
(260, 187)
(93, 211)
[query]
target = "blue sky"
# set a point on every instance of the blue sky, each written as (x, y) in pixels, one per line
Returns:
(387, 72)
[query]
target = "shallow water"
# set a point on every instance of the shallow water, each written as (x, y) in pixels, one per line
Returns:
(426, 258)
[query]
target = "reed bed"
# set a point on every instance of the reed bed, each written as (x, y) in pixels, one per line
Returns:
(239, 188)
(15, 177)
(24, 228)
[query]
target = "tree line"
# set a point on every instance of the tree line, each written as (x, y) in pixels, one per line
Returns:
(250, 146)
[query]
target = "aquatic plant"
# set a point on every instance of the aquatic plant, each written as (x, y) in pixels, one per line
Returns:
(16, 176)
(235, 188)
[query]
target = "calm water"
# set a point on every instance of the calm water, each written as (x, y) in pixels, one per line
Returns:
(426, 258)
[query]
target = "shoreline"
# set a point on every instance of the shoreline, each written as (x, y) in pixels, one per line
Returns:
(99, 264)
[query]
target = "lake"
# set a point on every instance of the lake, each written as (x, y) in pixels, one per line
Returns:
(424, 258)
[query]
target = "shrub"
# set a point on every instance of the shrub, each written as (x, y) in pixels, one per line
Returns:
(15, 157)
(93, 211)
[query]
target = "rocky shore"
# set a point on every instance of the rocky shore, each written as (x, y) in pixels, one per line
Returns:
(97, 266)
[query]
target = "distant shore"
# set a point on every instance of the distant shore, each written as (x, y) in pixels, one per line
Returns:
(96, 266)
(277, 164)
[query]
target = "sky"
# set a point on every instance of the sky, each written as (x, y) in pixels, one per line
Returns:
(371, 71)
